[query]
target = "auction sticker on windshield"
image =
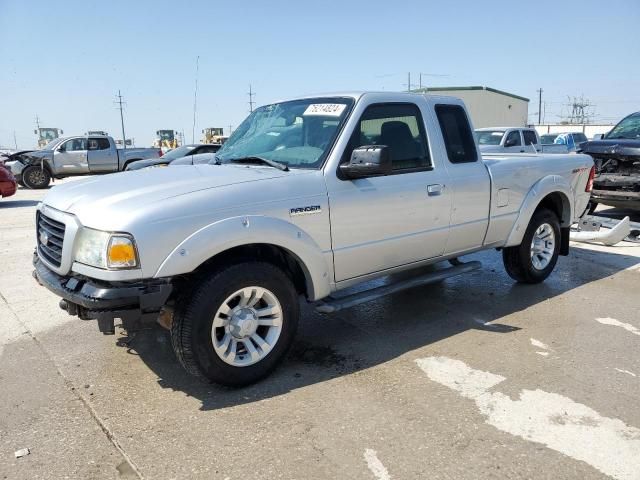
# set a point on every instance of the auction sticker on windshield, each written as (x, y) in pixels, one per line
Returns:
(325, 109)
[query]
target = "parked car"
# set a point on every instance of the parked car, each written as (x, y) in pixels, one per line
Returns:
(308, 197)
(617, 160)
(513, 140)
(170, 156)
(197, 159)
(571, 139)
(8, 184)
(71, 156)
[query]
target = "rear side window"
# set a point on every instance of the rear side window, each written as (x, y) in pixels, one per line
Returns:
(529, 137)
(98, 144)
(456, 131)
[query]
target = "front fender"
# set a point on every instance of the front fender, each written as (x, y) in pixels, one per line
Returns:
(233, 232)
(44, 161)
(545, 186)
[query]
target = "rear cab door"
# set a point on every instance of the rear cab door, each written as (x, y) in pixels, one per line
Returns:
(382, 222)
(102, 156)
(469, 181)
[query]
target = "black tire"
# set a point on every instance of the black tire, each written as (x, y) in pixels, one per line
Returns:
(191, 331)
(518, 261)
(36, 178)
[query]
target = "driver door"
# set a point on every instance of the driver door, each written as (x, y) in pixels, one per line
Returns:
(71, 157)
(513, 142)
(382, 222)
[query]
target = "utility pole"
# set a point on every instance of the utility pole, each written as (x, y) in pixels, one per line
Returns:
(230, 130)
(539, 106)
(120, 103)
(408, 81)
(195, 101)
(37, 122)
(15, 142)
(251, 102)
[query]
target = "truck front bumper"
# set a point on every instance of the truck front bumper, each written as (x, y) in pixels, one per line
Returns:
(132, 302)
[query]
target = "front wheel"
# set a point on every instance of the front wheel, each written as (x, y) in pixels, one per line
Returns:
(237, 325)
(36, 177)
(535, 258)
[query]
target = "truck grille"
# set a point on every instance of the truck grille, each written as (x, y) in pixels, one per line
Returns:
(50, 238)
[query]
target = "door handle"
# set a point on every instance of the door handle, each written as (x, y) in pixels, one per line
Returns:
(434, 189)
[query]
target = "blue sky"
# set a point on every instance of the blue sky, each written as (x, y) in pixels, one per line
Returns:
(65, 61)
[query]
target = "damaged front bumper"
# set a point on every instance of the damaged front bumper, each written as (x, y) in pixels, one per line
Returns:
(617, 198)
(132, 302)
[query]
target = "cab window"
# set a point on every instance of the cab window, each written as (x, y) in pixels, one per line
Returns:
(99, 144)
(513, 139)
(75, 144)
(529, 137)
(400, 128)
(457, 135)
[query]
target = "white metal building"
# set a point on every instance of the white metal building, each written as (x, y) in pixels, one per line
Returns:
(487, 106)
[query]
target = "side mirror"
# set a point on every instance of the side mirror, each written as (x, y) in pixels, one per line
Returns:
(510, 142)
(367, 161)
(62, 148)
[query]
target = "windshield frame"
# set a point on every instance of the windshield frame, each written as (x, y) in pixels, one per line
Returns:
(609, 136)
(322, 160)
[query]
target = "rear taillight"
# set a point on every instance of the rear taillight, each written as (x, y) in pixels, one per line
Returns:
(159, 153)
(592, 175)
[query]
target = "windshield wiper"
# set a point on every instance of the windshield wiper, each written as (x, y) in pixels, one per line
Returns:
(256, 159)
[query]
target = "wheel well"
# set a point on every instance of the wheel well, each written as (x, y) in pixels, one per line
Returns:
(559, 204)
(278, 256)
(130, 161)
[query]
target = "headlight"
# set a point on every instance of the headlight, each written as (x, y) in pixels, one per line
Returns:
(105, 250)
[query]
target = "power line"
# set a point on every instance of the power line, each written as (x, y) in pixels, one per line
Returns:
(120, 104)
(195, 102)
(251, 102)
(540, 106)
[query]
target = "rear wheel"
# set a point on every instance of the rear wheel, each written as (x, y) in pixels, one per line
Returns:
(535, 258)
(36, 177)
(237, 325)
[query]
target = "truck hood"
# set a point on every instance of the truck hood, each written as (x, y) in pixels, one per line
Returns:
(619, 148)
(131, 190)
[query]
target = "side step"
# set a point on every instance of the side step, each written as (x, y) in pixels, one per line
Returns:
(331, 305)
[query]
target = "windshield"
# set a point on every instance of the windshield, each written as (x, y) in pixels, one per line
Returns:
(297, 134)
(178, 152)
(489, 137)
(628, 127)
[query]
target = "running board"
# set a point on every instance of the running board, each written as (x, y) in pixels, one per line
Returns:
(331, 305)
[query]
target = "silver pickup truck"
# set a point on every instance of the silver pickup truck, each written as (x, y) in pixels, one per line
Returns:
(70, 156)
(307, 197)
(514, 140)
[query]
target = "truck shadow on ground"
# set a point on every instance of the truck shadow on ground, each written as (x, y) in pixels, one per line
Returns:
(331, 346)
(18, 203)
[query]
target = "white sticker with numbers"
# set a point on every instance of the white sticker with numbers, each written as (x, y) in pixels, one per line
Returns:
(325, 109)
